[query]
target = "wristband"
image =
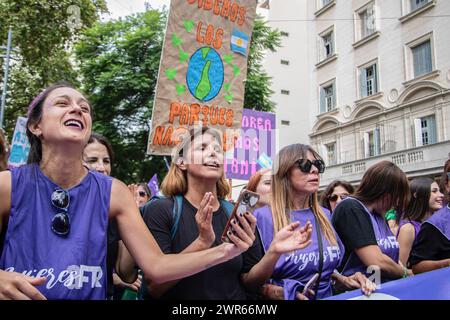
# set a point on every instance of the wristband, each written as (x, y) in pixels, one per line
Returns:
(405, 272)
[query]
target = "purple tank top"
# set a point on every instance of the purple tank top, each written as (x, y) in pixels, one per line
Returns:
(75, 266)
(385, 240)
(441, 220)
(415, 224)
(293, 270)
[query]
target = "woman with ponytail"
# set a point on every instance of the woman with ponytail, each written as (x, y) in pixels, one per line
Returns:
(294, 198)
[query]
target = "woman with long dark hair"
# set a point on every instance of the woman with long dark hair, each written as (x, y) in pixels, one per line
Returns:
(425, 200)
(432, 248)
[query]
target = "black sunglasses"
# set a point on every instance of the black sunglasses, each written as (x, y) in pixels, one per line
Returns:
(334, 197)
(305, 166)
(143, 194)
(61, 221)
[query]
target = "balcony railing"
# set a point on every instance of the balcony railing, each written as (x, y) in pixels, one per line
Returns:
(421, 161)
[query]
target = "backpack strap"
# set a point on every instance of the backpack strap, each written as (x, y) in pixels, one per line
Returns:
(150, 201)
(227, 206)
(178, 207)
(176, 214)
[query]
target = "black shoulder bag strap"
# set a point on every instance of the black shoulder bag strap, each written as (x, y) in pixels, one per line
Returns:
(319, 241)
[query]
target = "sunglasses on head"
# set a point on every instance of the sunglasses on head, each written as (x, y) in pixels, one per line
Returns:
(334, 197)
(305, 165)
(61, 221)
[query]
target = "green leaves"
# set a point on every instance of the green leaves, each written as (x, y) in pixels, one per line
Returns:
(119, 62)
(229, 97)
(188, 25)
(228, 58)
(181, 88)
(236, 70)
(184, 56)
(257, 86)
(44, 32)
(171, 73)
(176, 41)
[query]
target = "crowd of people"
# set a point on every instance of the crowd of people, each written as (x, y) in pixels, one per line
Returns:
(69, 230)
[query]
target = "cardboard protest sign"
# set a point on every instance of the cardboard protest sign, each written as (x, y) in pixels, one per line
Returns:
(202, 69)
(20, 146)
(255, 147)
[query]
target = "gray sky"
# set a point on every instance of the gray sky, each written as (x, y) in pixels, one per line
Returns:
(121, 8)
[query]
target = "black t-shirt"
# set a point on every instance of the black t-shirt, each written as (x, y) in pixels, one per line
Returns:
(353, 225)
(221, 282)
(431, 244)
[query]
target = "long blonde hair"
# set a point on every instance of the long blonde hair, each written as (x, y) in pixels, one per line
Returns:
(175, 182)
(281, 200)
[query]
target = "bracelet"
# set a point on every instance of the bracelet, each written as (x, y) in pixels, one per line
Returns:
(405, 272)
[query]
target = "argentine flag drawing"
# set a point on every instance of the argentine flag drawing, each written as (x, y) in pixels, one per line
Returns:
(239, 42)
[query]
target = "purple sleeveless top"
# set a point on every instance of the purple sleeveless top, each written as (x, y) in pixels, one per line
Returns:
(293, 270)
(415, 224)
(75, 266)
(441, 220)
(385, 239)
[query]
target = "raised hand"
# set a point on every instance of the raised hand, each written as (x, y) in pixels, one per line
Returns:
(203, 217)
(291, 238)
(16, 286)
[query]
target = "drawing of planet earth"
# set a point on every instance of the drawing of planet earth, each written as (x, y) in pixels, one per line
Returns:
(205, 74)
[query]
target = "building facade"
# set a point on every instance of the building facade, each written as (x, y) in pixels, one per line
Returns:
(287, 67)
(377, 84)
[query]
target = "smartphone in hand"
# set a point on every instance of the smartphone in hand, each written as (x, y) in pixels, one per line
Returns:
(309, 285)
(246, 203)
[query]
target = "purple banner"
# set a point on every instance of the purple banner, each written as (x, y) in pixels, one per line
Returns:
(433, 285)
(256, 142)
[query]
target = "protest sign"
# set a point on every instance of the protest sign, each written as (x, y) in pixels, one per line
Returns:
(202, 70)
(255, 146)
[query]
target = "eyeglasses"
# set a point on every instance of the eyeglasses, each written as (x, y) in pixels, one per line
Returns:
(334, 197)
(305, 166)
(143, 194)
(61, 221)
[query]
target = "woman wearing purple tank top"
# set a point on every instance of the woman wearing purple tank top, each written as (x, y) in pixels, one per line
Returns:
(54, 213)
(425, 200)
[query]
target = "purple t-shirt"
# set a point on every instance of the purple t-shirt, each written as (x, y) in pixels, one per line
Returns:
(293, 270)
(75, 266)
